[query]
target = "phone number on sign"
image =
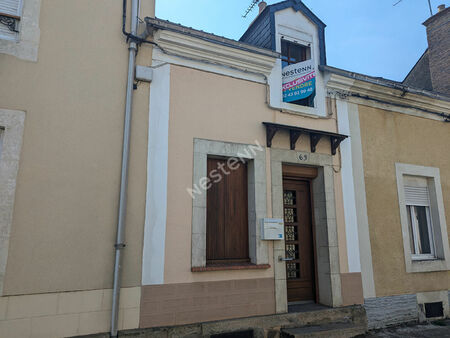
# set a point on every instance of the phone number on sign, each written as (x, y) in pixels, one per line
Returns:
(298, 92)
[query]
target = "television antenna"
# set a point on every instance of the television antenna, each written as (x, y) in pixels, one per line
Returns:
(250, 8)
(429, 5)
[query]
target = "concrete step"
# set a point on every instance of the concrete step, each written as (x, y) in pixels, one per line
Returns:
(352, 314)
(334, 330)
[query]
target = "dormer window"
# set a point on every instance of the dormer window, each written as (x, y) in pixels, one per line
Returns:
(298, 73)
(292, 53)
(292, 30)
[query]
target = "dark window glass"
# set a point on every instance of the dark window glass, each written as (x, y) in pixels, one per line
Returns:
(424, 238)
(418, 223)
(294, 53)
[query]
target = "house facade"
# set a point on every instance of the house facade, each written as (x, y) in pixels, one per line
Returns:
(399, 133)
(356, 153)
(261, 181)
(216, 105)
(62, 98)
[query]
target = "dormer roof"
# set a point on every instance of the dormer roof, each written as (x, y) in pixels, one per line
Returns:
(261, 32)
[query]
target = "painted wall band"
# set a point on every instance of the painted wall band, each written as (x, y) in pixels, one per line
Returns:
(157, 165)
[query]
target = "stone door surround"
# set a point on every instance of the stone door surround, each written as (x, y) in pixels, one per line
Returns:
(327, 252)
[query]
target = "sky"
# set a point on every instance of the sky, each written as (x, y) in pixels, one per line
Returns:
(372, 37)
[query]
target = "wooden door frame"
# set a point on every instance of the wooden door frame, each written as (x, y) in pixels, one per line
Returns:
(306, 174)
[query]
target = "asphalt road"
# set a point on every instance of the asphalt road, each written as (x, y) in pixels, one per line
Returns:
(439, 329)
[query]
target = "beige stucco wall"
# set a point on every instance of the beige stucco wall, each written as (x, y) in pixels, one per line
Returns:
(64, 221)
(215, 107)
(387, 138)
(67, 314)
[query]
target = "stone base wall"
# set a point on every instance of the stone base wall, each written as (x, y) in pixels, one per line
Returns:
(67, 313)
(391, 310)
(186, 303)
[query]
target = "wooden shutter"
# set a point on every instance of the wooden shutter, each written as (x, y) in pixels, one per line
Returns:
(11, 7)
(226, 214)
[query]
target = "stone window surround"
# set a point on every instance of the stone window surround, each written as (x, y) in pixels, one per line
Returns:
(13, 123)
(442, 263)
(26, 46)
(258, 249)
(327, 249)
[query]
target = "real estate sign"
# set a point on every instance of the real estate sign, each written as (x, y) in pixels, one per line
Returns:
(299, 81)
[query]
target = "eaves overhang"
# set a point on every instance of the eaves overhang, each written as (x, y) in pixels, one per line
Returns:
(402, 98)
(156, 23)
(383, 82)
(197, 45)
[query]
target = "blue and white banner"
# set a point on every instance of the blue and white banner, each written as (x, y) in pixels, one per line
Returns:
(299, 81)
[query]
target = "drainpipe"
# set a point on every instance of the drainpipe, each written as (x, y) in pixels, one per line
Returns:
(120, 239)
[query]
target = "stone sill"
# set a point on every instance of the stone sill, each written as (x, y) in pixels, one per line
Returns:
(222, 267)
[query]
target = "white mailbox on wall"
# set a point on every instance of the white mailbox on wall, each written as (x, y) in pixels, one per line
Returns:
(272, 229)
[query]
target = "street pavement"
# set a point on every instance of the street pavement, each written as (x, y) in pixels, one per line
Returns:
(439, 329)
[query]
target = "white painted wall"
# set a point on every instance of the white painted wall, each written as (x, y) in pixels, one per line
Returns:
(359, 251)
(156, 199)
(348, 188)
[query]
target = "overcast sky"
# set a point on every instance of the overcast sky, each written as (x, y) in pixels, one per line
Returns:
(372, 37)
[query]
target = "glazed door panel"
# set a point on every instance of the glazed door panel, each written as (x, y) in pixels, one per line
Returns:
(299, 241)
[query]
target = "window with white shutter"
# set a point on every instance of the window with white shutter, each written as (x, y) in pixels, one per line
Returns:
(422, 218)
(10, 13)
(417, 200)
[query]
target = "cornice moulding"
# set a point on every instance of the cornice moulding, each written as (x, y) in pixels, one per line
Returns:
(348, 87)
(197, 49)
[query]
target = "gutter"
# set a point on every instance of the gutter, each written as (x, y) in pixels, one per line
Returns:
(120, 237)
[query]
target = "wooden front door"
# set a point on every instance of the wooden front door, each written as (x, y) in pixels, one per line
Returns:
(299, 241)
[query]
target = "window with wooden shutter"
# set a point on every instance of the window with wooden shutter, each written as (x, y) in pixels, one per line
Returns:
(10, 13)
(227, 213)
